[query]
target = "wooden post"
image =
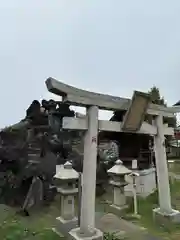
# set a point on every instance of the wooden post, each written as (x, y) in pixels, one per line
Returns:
(79, 198)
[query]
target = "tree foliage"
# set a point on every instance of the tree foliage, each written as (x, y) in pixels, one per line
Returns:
(157, 99)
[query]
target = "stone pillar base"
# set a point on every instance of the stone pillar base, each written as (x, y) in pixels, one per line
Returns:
(164, 218)
(77, 235)
(119, 208)
(133, 216)
(64, 226)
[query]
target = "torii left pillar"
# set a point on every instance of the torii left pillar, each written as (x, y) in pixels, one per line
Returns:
(87, 221)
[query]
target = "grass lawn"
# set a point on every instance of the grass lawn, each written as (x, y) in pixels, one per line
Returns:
(38, 225)
(168, 231)
(14, 230)
(145, 206)
(174, 167)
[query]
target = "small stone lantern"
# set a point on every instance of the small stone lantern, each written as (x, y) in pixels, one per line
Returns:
(171, 164)
(65, 181)
(118, 182)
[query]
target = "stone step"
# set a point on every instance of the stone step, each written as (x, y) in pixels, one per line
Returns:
(33, 161)
(35, 145)
(110, 224)
(32, 156)
(37, 153)
(121, 228)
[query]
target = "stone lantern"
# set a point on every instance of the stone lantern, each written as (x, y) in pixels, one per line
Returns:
(65, 181)
(118, 182)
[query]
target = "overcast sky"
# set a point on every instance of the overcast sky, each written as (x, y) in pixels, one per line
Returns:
(108, 46)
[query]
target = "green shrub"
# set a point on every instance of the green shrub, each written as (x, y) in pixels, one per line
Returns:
(111, 236)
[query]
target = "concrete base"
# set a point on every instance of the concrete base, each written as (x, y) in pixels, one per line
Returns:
(133, 216)
(64, 221)
(119, 208)
(164, 218)
(64, 226)
(76, 234)
(58, 233)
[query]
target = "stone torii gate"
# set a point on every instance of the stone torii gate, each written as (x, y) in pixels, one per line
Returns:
(91, 125)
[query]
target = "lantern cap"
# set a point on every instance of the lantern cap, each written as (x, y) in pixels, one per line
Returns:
(119, 169)
(66, 172)
(68, 165)
(119, 162)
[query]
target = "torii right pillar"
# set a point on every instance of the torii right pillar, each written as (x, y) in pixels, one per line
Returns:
(165, 211)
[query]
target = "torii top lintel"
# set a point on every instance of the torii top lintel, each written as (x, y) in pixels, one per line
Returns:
(79, 97)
